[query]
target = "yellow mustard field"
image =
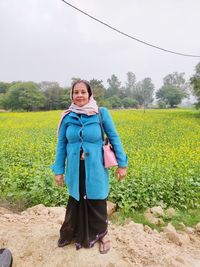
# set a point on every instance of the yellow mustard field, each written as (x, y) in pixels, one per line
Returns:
(163, 147)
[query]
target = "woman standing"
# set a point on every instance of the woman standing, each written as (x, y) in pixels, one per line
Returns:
(79, 151)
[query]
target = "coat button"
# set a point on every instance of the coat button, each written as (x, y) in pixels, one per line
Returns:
(86, 154)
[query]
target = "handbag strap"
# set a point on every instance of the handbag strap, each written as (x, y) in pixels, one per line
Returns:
(101, 124)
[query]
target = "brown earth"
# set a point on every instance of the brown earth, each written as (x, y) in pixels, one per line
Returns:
(32, 237)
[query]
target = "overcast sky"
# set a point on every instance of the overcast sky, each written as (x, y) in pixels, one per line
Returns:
(46, 40)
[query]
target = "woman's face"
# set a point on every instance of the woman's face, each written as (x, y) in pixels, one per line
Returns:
(80, 95)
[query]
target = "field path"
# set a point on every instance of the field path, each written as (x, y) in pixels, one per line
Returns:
(32, 237)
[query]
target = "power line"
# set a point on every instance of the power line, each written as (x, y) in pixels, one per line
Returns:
(127, 35)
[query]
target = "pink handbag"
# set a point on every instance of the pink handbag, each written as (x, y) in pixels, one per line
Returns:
(109, 155)
(108, 152)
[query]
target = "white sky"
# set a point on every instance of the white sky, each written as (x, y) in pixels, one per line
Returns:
(46, 40)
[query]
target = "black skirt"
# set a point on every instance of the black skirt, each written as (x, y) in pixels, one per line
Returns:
(86, 219)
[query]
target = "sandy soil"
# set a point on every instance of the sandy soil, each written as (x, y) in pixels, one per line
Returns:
(32, 237)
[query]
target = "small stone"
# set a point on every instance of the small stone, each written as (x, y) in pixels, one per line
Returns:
(157, 211)
(173, 236)
(159, 221)
(197, 228)
(189, 230)
(169, 228)
(148, 229)
(38, 209)
(170, 212)
(181, 225)
(40, 258)
(150, 217)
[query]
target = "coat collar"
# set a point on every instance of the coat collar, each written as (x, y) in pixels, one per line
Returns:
(84, 119)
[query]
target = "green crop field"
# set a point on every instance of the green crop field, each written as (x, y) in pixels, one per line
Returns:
(163, 147)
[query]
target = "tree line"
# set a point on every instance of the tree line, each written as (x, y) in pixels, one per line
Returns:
(31, 96)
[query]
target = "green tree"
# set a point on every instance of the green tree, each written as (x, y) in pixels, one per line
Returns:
(66, 98)
(97, 88)
(4, 87)
(128, 102)
(175, 79)
(2, 101)
(53, 95)
(195, 82)
(170, 94)
(24, 95)
(45, 85)
(115, 102)
(122, 93)
(143, 92)
(105, 103)
(161, 104)
(130, 84)
(53, 98)
(114, 86)
(147, 91)
(174, 89)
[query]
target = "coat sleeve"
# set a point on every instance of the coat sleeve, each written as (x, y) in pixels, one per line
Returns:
(113, 137)
(59, 164)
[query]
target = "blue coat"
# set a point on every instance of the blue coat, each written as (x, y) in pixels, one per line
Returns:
(85, 131)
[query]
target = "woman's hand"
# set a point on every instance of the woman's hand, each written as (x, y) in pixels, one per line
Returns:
(59, 179)
(120, 173)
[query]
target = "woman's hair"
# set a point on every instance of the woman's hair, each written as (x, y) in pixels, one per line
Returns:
(89, 89)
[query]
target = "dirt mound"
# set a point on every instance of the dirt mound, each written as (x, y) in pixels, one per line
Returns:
(32, 237)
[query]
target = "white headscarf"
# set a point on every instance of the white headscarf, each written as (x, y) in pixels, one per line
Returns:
(89, 109)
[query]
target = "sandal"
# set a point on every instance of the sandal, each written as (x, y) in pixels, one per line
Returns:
(104, 245)
(63, 243)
